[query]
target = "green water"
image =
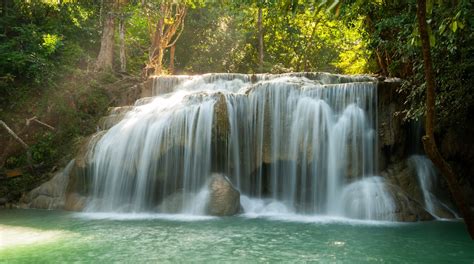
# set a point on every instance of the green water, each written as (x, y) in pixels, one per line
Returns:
(66, 237)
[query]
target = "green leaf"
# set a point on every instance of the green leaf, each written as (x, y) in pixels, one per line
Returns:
(442, 28)
(457, 14)
(454, 26)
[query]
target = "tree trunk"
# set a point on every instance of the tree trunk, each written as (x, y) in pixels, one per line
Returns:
(260, 40)
(157, 48)
(429, 142)
(106, 53)
(165, 34)
(172, 51)
(123, 58)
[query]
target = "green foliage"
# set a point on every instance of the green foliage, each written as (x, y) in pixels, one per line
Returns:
(41, 41)
(47, 49)
(45, 149)
(51, 43)
(392, 33)
(298, 35)
(137, 39)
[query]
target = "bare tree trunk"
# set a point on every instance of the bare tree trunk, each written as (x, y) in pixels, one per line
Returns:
(106, 53)
(172, 51)
(260, 40)
(429, 142)
(123, 58)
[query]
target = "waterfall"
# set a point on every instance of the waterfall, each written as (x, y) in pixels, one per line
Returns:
(367, 199)
(428, 179)
(129, 168)
(295, 143)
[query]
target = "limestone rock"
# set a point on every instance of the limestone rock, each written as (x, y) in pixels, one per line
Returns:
(51, 194)
(224, 199)
(404, 176)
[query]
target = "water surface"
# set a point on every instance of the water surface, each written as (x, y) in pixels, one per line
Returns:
(37, 236)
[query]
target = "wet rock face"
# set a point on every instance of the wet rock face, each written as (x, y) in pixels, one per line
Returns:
(391, 133)
(408, 195)
(407, 209)
(404, 176)
(224, 199)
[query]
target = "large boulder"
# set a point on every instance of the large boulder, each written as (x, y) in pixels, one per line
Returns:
(220, 199)
(79, 181)
(376, 199)
(51, 194)
(224, 199)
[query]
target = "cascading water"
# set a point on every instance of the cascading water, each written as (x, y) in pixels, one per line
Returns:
(427, 179)
(129, 169)
(299, 143)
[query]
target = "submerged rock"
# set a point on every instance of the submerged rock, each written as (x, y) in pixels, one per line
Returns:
(218, 198)
(224, 199)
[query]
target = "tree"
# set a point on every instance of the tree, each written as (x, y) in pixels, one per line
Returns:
(166, 23)
(429, 142)
(122, 22)
(106, 54)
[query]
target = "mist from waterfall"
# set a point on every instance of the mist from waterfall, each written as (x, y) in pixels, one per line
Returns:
(293, 143)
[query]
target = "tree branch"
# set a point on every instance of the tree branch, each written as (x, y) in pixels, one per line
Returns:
(19, 140)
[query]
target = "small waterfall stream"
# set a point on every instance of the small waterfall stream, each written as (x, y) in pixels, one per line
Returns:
(428, 181)
(292, 143)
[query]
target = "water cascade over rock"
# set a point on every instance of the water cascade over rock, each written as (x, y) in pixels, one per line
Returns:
(222, 144)
(428, 181)
(299, 139)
